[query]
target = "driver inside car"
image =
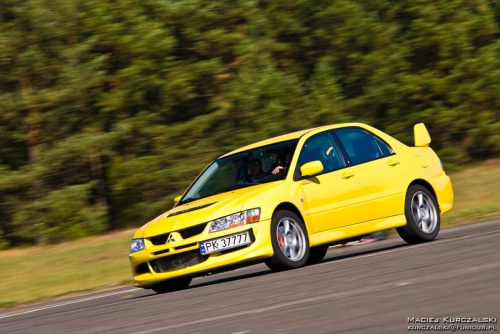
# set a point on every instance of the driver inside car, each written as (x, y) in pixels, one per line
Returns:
(278, 168)
(255, 172)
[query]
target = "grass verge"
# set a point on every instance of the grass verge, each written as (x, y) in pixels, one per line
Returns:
(477, 195)
(43, 272)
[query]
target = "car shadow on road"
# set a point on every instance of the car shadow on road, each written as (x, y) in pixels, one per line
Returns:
(237, 277)
(195, 285)
(355, 251)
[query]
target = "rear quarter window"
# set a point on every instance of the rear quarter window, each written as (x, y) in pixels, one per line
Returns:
(362, 146)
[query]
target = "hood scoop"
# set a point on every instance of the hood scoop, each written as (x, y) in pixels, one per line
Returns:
(190, 209)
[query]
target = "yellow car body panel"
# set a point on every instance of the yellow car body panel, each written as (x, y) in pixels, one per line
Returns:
(352, 201)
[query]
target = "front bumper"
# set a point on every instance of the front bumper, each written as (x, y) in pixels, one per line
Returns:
(189, 261)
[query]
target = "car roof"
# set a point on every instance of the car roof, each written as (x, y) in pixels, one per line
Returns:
(289, 136)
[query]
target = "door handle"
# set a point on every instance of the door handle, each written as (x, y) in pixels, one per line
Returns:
(393, 162)
(347, 175)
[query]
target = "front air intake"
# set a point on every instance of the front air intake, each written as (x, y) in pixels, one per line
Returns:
(178, 261)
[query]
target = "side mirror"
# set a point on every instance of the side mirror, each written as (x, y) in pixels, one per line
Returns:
(311, 168)
(421, 135)
(177, 199)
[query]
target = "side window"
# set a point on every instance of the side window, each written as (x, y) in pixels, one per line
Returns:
(362, 146)
(385, 148)
(321, 147)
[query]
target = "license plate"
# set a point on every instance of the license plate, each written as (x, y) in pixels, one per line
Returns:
(220, 244)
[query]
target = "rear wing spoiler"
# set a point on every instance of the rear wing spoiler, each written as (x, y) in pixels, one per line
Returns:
(421, 136)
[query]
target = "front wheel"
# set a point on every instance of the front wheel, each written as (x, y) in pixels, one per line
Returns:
(423, 219)
(317, 254)
(289, 240)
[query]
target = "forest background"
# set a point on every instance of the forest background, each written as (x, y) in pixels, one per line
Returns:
(108, 109)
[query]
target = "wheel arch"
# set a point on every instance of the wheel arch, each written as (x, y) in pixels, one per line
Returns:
(290, 207)
(426, 185)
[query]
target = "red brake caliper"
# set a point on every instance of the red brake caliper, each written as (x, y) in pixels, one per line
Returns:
(281, 242)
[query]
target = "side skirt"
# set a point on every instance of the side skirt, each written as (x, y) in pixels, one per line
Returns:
(352, 231)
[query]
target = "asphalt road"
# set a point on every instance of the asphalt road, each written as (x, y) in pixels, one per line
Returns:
(372, 288)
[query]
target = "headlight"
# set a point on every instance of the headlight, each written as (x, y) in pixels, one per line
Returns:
(136, 245)
(234, 220)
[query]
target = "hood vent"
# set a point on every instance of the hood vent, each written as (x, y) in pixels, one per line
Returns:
(190, 209)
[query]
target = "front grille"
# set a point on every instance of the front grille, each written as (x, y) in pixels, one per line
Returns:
(192, 231)
(159, 239)
(164, 251)
(186, 233)
(186, 246)
(178, 261)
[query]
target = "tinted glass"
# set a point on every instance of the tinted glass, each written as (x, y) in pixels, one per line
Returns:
(320, 147)
(244, 169)
(359, 144)
(385, 148)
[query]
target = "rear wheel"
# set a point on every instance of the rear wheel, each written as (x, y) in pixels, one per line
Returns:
(317, 254)
(289, 240)
(172, 285)
(422, 216)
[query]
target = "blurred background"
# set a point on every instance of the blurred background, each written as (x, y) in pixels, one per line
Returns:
(108, 109)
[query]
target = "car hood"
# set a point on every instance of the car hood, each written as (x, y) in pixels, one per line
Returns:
(204, 210)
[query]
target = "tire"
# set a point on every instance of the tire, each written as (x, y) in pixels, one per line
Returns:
(171, 285)
(289, 240)
(317, 254)
(423, 219)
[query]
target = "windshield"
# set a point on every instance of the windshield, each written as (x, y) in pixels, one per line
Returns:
(259, 165)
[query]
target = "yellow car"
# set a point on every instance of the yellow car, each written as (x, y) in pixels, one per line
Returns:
(285, 200)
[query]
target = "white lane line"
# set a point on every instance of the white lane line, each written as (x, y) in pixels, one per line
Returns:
(68, 303)
(333, 295)
(70, 312)
(321, 264)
